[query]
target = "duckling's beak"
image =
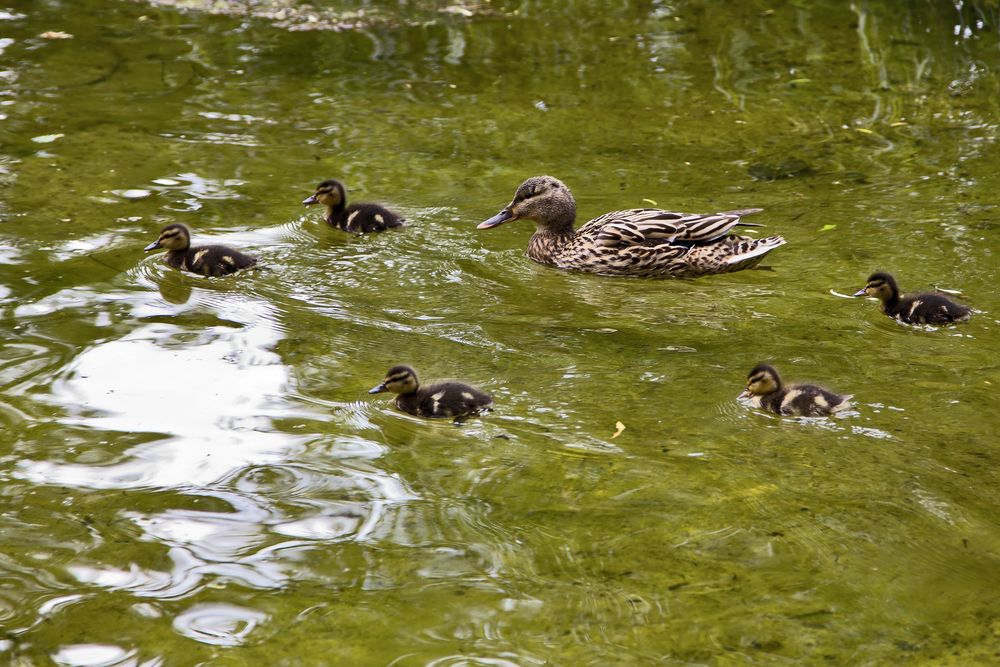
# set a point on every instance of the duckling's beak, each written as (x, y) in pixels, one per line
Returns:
(745, 394)
(498, 219)
(152, 246)
(377, 390)
(310, 200)
(861, 292)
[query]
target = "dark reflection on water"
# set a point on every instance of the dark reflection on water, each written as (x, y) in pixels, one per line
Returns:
(192, 472)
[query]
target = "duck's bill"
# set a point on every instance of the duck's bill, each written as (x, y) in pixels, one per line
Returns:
(744, 394)
(310, 200)
(498, 219)
(152, 246)
(378, 389)
(860, 292)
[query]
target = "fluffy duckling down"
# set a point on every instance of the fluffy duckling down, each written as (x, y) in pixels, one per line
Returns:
(766, 391)
(207, 260)
(913, 308)
(439, 400)
(354, 218)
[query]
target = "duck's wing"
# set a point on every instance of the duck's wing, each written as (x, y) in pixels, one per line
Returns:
(643, 226)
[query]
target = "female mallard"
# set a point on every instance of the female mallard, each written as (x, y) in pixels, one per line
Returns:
(356, 218)
(208, 260)
(765, 390)
(633, 242)
(913, 308)
(442, 399)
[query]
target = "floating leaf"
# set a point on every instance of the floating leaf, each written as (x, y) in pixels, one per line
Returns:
(898, 123)
(648, 201)
(47, 138)
(797, 81)
(619, 427)
(55, 34)
(864, 130)
(826, 228)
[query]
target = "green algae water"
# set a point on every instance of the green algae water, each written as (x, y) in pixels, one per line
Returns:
(192, 472)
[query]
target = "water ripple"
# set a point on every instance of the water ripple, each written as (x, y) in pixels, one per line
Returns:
(95, 655)
(218, 624)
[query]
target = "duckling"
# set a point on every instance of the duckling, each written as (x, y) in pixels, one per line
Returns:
(765, 390)
(356, 218)
(442, 399)
(208, 260)
(913, 308)
(633, 242)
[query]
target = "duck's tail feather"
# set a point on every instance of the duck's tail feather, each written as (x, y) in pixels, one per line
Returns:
(843, 405)
(741, 211)
(749, 253)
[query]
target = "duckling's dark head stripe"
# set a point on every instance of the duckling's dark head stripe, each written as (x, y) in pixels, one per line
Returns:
(881, 278)
(762, 370)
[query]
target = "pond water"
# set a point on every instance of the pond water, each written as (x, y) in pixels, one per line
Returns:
(192, 472)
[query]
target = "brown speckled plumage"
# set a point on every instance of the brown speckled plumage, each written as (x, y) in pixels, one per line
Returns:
(633, 242)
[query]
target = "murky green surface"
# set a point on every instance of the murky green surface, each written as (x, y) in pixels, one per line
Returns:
(192, 473)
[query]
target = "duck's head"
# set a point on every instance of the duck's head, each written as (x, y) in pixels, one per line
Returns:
(880, 285)
(172, 237)
(544, 199)
(398, 380)
(329, 193)
(763, 379)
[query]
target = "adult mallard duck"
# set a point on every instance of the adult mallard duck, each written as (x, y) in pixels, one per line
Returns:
(208, 260)
(633, 242)
(442, 399)
(913, 308)
(765, 390)
(356, 218)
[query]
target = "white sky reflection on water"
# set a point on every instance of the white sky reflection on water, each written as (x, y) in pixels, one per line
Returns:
(212, 393)
(208, 394)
